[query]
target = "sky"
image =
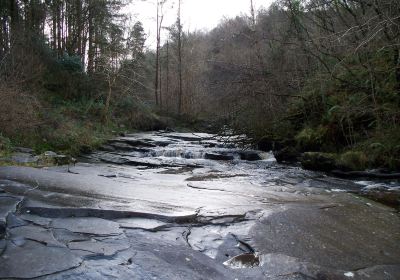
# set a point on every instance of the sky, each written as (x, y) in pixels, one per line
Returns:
(196, 14)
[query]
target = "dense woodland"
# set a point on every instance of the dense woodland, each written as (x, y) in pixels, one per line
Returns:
(301, 76)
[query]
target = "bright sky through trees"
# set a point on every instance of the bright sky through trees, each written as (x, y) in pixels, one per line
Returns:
(196, 14)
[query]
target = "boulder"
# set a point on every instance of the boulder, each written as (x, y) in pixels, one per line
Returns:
(286, 154)
(216, 156)
(249, 155)
(49, 154)
(64, 160)
(318, 161)
(265, 144)
(23, 150)
(52, 158)
(390, 198)
(24, 158)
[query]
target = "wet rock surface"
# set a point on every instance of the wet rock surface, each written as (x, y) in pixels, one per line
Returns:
(27, 157)
(158, 206)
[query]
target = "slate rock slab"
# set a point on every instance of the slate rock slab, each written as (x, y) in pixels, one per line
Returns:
(142, 223)
(66, 236)
(95, 226)
(98, 247)
(35, 233)
(34, 260)
(37, 220)
(8, 204)
(14, 221)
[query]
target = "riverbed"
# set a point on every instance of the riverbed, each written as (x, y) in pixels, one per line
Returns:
(167, 205)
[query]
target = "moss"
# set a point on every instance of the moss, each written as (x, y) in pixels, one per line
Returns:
(5, 146)
(319, 161)
(353, 160)
(73, 137)
(382, 148)
(311, 139)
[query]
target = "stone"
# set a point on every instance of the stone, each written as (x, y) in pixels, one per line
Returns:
(281, 222)
(8, 204)
(335, 237)
(107, 148)
(121, 146)
(34, 260)
(98, 247)
(249, 155)
(51, 158)
(63, 160)
(3, 245)
(265, 144)
(65, 236)
(379, 272)
(24, 158)
(146, 224)
(216, 156)
(14, 221)
(37, 220)
(286, 154)
(35, 233)
(23, 150)
(87, 225)
(318, 161)
(50, 154)
(248, 260)
(132, 142)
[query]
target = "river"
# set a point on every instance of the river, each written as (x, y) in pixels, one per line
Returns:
(166, 205)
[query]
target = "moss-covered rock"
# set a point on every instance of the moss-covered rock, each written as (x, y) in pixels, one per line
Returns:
(353, 161)
(286, 154)
(50, 158)
(348, 161)
(318, 161)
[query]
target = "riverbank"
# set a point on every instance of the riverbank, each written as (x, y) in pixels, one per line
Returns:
(367, 159)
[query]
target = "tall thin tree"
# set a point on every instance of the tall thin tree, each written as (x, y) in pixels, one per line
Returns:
(179, 58)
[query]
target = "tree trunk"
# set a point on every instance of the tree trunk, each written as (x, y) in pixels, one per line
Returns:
(14, 24)
(91, 46)
(108, 99)
(54, 28)
(180, 59)
(167, 82)
(157, 58)
(160, 87)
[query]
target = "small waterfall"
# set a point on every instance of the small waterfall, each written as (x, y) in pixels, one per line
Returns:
(179, 153)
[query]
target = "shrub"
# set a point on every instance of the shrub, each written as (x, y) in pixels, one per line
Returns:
(311, 138)
(72, 64)
(19, 114)
(5, 145)
(353, 160)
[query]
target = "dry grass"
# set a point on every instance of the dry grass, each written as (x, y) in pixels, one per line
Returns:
(19, 111)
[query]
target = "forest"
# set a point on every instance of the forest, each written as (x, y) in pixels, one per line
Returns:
(312, 79)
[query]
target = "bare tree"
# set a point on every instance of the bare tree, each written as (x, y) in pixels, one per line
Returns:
(159, 21)
(179, 58)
